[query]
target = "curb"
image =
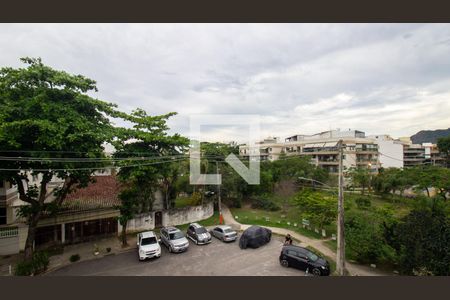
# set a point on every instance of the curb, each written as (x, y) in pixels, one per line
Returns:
(57, 267)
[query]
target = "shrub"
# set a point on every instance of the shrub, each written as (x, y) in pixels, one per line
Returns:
(363, 202)
(74, 258)
(24, 268)
(235, 202)
(195, 199)
(38, 264)
(265, 203)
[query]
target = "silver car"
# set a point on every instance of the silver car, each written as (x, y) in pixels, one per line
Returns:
(174, 239)
(224, 233)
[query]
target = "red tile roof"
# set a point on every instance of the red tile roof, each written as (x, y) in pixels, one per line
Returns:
(101, 194)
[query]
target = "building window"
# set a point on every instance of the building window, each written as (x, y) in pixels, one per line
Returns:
(2, 184)
(2, 215)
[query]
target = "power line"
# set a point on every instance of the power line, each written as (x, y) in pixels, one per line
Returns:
(110, 167)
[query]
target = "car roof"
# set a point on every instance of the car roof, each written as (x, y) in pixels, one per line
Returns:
(172, 229)
(294, 247)
(196, 225)
(147, 234)
(224, 227)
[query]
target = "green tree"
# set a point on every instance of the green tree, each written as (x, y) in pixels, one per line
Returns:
(360, 177)
(148, 137)
(319, 208)
(422, 238)
(444, 148)
(364, 234)
(391, 180)
(50, 127)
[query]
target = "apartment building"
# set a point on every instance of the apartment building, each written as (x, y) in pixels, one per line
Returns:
(390, 151)
(322, 148)
(422, 154)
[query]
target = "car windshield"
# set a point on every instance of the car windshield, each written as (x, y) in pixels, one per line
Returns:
(312, 256)
(148, 241)
(176, 235)
(228, 230)
(200, 230)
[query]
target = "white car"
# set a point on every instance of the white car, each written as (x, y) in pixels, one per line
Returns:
(148, 245)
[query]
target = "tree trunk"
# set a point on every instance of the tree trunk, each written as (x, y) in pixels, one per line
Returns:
(428, 192)
(124, 234)
(32, 226)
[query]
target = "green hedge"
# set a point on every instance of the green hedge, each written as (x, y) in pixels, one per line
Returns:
(38, 264)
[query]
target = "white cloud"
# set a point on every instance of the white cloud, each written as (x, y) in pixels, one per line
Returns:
(302, 78)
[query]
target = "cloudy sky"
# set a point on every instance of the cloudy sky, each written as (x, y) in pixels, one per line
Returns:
(300, 78)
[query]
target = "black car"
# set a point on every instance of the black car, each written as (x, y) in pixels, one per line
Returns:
(304, 259)
(255, 237)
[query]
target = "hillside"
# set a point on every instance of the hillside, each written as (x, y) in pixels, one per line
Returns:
(429, 136)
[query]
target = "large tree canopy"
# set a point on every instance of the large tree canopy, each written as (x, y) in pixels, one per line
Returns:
(49, 127)
(163, 154)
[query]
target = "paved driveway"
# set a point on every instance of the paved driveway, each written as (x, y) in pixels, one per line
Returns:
(217, 258)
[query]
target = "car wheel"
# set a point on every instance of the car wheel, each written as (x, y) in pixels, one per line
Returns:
(170, 249)
(196, 242)
(316, 272)
(284, 263)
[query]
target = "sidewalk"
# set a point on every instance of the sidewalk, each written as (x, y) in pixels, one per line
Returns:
(85, 250)
(353, 269)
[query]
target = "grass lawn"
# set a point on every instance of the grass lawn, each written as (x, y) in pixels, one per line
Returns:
(181, 202)
(292, 214)
(329, 259)
(275, 219)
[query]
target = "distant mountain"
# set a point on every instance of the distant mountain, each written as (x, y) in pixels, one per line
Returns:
(429, 136)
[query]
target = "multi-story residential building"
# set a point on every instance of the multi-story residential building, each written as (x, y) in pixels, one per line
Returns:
(422, 154)
(390, 151)
(322, 148)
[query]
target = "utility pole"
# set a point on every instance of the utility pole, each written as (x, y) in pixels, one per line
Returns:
(219, 196)
(340, 259)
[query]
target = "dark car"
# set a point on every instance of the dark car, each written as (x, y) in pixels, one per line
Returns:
(304, 259)
(198, 234)
(255, 237)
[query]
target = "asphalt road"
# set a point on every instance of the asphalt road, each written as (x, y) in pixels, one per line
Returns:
(216, 258)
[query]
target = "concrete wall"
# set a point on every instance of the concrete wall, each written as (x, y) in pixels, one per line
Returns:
(188, 214)
(172, 217)
(141, 222)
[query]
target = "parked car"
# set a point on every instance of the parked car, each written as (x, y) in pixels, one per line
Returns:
(255, 237)
(198, 234)
(148, 245)
(224, 233)
(304, 259)
(174, 239)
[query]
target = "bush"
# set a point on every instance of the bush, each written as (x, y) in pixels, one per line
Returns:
(265, 203)
(195, 199)
(363, 202)
(234, 202)
(365, 239)
(38, 264)
(24, 268)
(74, 258)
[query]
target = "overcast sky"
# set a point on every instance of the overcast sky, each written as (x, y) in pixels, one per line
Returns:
(301, 78)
